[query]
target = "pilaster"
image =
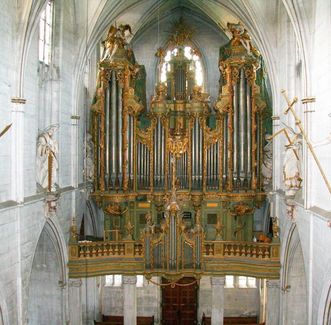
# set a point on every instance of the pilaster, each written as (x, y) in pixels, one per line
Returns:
(273, 301)
(217, 309)
(17, 152)
(130, 300)
(75, 301)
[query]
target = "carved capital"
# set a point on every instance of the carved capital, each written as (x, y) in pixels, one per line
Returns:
(18, 100)
(75, 283)
(217, 281)
(129, 279)
(273, 284)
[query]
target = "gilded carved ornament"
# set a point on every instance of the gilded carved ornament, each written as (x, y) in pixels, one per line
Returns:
(145, 137)
(115, 210)
(241, 209)
(177, 145)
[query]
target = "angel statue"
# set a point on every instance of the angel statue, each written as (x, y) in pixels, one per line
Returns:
(116, 38)
(267, 164)
(47, 159)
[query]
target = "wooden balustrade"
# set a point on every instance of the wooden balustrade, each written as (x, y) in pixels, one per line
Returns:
(240, 249)
(109, 249)
(217, 258)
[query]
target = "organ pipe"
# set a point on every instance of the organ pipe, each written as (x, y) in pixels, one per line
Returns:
(133, 153)
(242, 126)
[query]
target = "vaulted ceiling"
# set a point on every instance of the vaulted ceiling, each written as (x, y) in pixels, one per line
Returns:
(142, 13)
(259, 17)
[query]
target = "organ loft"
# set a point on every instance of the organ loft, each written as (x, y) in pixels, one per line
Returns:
(179, 178)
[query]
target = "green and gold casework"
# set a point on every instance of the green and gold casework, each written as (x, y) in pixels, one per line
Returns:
(178, 183)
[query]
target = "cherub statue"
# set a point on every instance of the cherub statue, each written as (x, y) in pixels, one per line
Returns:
(47, 159)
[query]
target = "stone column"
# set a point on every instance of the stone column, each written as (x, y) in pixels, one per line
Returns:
(130, 300)
(273, 300)
(217, 300)
(17, 152)
(75, 301)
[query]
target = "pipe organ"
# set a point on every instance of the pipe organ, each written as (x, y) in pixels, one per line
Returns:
(207, 157)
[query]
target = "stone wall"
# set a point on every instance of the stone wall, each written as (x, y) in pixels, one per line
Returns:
(148, 300)
(293, 37)
(237, 301)
(48, 92)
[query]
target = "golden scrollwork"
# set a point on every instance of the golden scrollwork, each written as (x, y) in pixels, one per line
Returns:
(115, 210)
(177, 144)
(241, 209)
(146, 137)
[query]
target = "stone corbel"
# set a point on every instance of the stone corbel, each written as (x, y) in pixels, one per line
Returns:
(51, 202)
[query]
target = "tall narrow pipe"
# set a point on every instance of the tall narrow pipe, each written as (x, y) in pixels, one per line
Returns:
(242, 131)
(119, 124)
(159, 159)
(249, 131)
(162, 162)
(99, 147)
(200, 154)
(138, 164)
(107, 119)
(209, 165)
(114, 127)
(212, 158)
(129, 151)
(143, 164)
(196, 153)
(212, 152)
(216, 163)
(193, 155)
(225, 149)
(235, 131)
(155, 144)
(185, 170)
(147, 170)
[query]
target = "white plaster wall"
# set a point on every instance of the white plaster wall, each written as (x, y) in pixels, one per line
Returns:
(148, 300)
(7, 30)
(45, 292)
(321, 122)
(237, 301)
(50, 101)
(296, 296)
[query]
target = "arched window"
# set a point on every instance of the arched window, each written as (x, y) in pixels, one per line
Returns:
(45, 33)
(190, 54)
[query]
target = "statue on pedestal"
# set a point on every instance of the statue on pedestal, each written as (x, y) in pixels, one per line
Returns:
(89, 171)
(47, 159)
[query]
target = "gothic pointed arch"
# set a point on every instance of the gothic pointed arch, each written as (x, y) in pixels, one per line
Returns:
(48, 279)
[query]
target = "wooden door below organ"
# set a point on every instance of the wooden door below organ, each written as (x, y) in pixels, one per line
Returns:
(179, 304)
